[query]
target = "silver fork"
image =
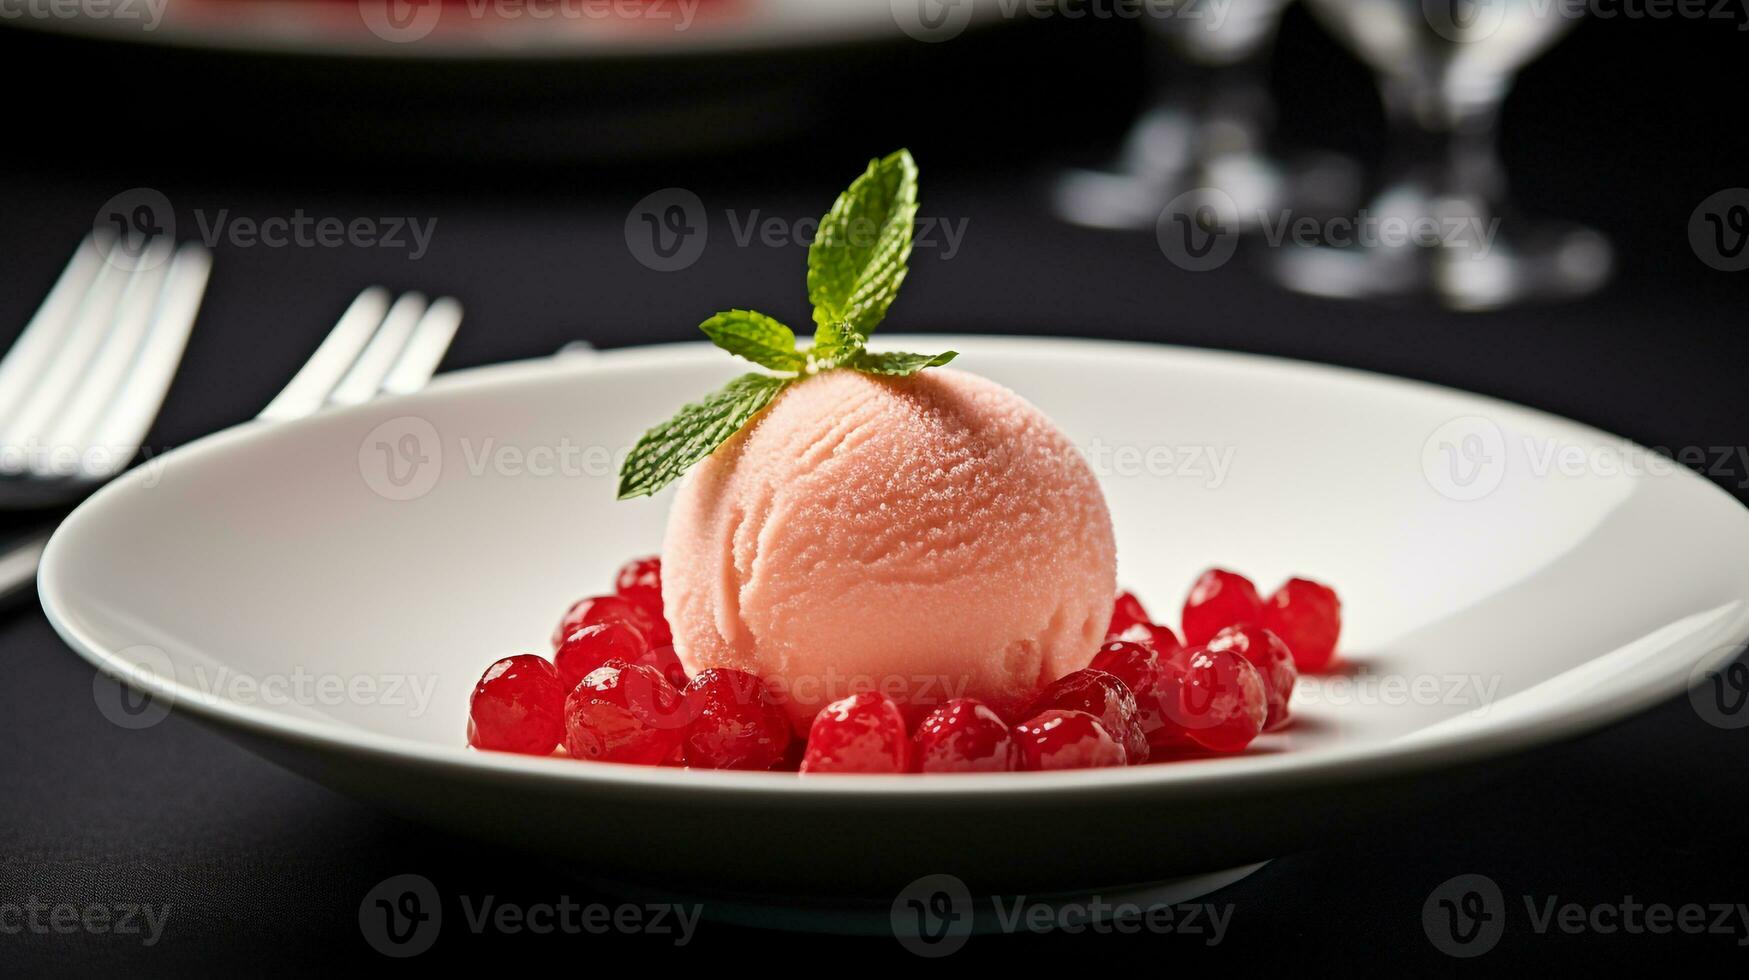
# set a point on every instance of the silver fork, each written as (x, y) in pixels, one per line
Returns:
(85, 379)
(377, 347)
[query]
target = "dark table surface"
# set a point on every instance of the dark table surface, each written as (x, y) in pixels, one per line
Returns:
(264, 871)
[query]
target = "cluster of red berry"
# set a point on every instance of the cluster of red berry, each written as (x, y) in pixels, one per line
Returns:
(615, 691)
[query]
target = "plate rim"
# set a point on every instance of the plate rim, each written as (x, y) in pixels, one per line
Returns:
(1586, 711)
(762, 34)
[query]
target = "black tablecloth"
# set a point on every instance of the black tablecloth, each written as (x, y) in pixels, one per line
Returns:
(264, 871)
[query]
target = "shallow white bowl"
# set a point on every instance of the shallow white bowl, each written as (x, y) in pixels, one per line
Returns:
(1509, 579)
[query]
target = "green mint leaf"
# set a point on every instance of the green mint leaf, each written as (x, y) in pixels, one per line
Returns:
(829, 338)
(841, 348)
(898, 365)
(668, 450)
(857, 260)
(757, 337)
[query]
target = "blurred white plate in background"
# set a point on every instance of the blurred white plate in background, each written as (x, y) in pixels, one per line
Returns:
(497, 29)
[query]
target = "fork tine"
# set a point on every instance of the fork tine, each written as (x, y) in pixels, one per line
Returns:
(23, 363)
(366, 376)
(309, 388)
(66, 361)
(124, 418)
(98, 384)
(425, 349)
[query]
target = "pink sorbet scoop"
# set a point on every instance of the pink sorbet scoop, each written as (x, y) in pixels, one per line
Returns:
(927, 537)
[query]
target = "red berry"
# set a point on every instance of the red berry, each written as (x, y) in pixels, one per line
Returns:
(640, 580)
(1103, 696)
(862, 733)
(624, 713)
(1160, 638)
(1058, 739)
(592, 646)
(518, 706)
(734, 722)
(1219, 599)
(608, 609)
(1126, 612)
(1308, 618)
(964, 735)
(1154, 681)
(664, 659)
(1221, 700)
(1128, 661)
(1274, 663)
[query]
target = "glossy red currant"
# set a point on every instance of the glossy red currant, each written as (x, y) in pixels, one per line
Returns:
(734, 722)
(863, 733)
(1222, 703)
(1308, 617)
(607, 609)
(1160, 638)
(1217, 600)
(1270, 656)
(1103, 696)
(1058, 739)
(518, 706)
(624, 713)
(640, 580)
(592, 646)
(1127, 611)
(964, 735)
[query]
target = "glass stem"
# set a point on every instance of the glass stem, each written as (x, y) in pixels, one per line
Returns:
(1443, 145)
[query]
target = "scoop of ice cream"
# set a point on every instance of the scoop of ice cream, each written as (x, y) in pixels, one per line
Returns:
(927, 537)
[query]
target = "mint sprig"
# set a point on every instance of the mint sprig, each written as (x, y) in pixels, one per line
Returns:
(695, 432)
(757, 337)
(897, 365)
(857, 261)
(855, 267)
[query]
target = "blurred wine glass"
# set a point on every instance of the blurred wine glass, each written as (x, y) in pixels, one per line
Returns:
(1206, 128)
(1439, 228)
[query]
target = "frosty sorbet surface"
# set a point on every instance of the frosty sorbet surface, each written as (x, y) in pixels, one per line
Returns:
(929, 537)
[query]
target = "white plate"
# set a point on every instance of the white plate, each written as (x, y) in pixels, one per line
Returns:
(1568, 595)
(508, 29)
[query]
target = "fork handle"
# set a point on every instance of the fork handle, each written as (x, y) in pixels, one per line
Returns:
(18, 565)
